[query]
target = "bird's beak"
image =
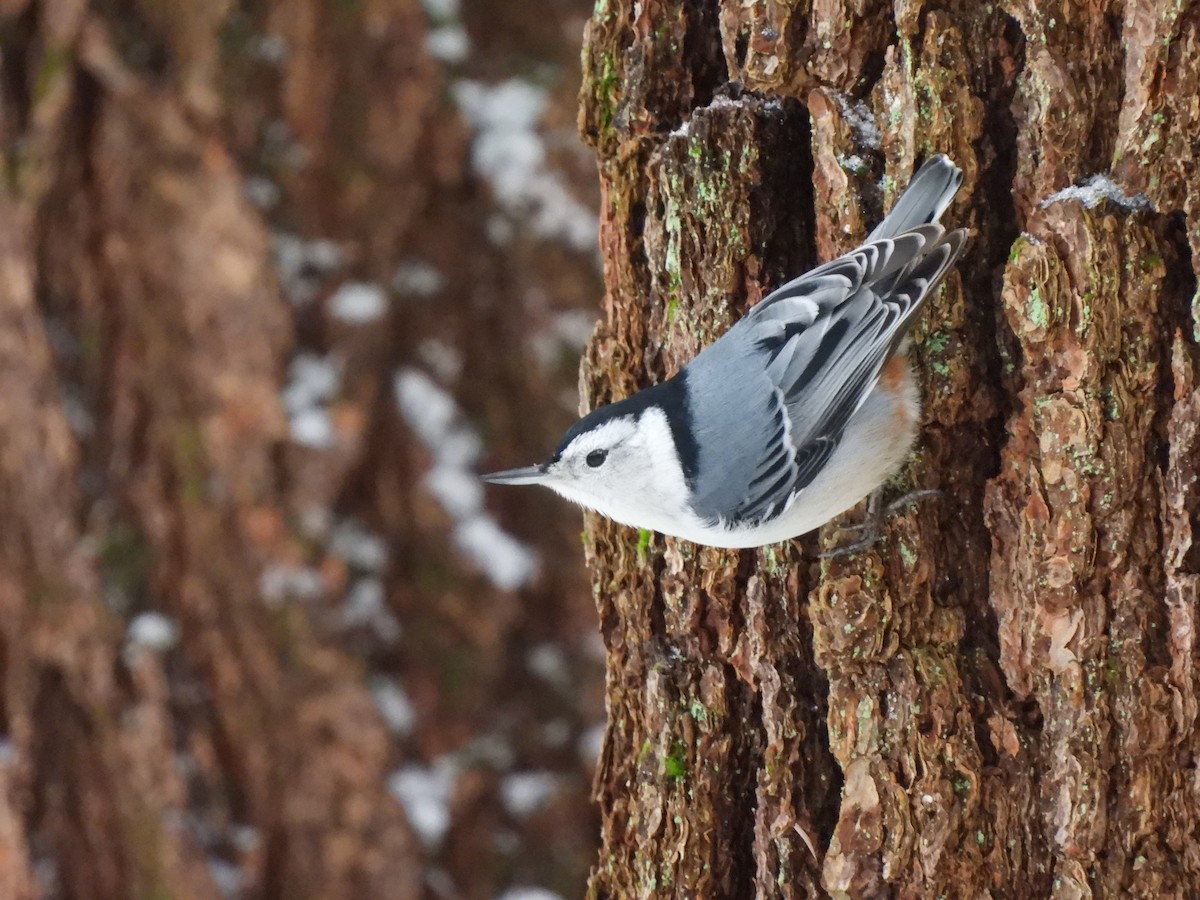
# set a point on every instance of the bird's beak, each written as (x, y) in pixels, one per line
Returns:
(527, 475)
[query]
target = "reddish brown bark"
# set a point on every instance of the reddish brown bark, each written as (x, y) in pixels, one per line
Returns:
(999, 698)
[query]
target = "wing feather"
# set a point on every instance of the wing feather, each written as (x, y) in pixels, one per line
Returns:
(825, 337)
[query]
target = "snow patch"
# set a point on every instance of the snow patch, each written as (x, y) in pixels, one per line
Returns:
(862, 121)
(302, 264)
(529, 893)
(312, 428)
(280, 143)
(359, 547)
(429, 410)
(366, 607)
(425, 794)
(449, 44)
(514, 105)
(490, 750)
(506, 562)
(854, 164)
(312, 382)
(1095, 190)
(366, 554)
(417, 278)
(280, 583)
(323, 254)
(46, 874)
(394, 707)
(524, 793)
(270, 48)
(229, 878)
(79, 416)
(723, 101)
(510, 154)
(432, 413)
(459, 491)
(593, 646)
(548, 662)
(460, 448)
(590, 744)
(442, 10)
(245, 838)
(358, 303)
(294, 255)
(154, 631)
(262, 192)
(289, 256)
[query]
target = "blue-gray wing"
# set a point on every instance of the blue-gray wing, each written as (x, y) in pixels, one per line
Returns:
(817, 346)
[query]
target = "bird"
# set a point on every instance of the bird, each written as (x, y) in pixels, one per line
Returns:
(802, 408)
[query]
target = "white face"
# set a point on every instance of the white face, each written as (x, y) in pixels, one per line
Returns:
(625, 468)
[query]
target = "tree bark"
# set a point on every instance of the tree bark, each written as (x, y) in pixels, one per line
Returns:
(999, 698)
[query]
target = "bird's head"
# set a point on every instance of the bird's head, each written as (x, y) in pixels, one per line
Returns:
(620, 460)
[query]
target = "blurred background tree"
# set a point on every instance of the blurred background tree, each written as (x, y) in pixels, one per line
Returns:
(272, 276)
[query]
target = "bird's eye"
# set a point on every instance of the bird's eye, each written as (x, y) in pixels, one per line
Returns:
(596, 458)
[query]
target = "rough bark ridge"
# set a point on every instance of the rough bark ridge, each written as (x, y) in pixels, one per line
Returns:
(999, 699)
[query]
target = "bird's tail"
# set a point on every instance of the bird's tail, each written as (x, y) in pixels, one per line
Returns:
(924, 200)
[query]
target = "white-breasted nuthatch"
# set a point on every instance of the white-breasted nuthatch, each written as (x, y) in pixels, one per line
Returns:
(801, 409)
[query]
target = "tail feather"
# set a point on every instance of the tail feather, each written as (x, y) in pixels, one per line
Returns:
(924, 200)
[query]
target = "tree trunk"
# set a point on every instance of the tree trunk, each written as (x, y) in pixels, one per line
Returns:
(1000, 697)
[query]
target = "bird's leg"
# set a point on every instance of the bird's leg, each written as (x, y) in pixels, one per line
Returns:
(909, 499)
(868, 530)
(871, 528)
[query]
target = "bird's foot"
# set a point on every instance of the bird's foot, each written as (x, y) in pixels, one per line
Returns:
(868, 530)
(871, 528)
(910, 499)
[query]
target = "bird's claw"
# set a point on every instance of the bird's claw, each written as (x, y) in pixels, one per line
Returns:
(871, 528)
(909, 499)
